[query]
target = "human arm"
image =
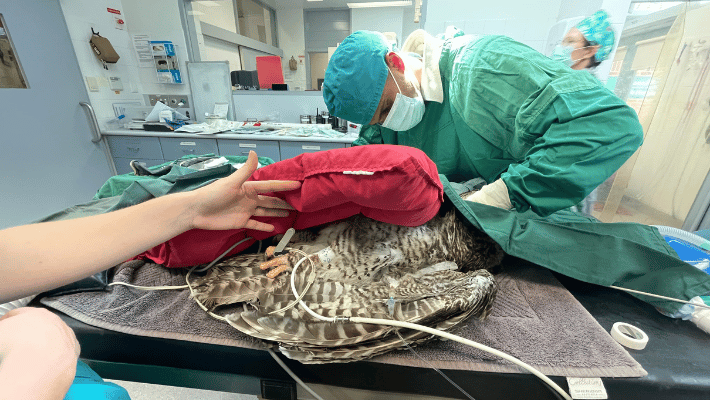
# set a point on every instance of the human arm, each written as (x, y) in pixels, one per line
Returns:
(38, 257)
(586, 137)
(562, 132)
(38, 355)
(566, 163)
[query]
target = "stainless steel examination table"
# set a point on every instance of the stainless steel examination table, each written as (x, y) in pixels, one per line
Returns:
(677, 359)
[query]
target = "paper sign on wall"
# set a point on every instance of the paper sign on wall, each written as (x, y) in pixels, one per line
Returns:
(141, 44)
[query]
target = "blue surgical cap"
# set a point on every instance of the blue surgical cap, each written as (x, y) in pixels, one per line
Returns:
(597, 30)
(356, 76)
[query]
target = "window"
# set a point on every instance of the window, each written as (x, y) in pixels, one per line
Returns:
(257, 21)
(226, 30)
(11, 74)
(249, 18)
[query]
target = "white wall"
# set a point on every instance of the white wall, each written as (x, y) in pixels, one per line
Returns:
(293, 43)
(220, 50)
(523, 20)
(161, 20)
(386, 19)
(408, 24)
(81, 16)
(161, 23)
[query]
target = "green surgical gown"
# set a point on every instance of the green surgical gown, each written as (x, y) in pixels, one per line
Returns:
(552, 134)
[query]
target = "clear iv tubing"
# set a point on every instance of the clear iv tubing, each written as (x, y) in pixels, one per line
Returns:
(426, 329)
(684, 235)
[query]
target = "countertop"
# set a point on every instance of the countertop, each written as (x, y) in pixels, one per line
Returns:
(230, 136)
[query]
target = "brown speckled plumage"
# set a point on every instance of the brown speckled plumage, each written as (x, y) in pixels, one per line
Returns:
(435, 273)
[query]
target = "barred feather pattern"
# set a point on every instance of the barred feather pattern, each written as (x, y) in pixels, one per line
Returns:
(434, 275)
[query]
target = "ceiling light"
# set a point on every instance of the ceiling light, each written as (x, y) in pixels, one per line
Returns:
(208, 3)
(374, 4)
(314, 0)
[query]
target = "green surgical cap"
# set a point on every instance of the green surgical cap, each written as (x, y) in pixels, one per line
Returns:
(597, 30)
(356, 76)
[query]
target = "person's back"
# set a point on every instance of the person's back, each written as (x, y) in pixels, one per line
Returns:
(552, 134)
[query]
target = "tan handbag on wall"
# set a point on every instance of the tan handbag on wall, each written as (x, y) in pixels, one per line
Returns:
(103, 49)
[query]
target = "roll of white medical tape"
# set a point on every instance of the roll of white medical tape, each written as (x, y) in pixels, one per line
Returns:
(629, 336)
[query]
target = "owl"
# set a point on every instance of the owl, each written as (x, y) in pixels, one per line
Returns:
(435, 274)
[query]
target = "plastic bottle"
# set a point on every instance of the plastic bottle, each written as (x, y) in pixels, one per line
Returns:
(116, 123)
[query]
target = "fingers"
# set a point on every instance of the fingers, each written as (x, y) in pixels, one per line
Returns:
(259, 226)
(274, 202)
(18, 311)
(273, 186)
(242, 174)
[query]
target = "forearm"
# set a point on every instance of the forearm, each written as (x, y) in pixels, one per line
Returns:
(34, 258)
(574, 156)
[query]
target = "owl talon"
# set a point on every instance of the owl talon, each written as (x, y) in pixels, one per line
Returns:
(274, 262)
(277, 271)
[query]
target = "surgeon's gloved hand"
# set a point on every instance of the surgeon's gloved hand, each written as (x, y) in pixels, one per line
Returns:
(494, 194)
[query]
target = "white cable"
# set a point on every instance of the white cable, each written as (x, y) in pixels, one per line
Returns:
(187, 286)
(433, 367)
(202, 306)
(148, 287)
(426, 329)
(305, 290)
(660, 297)
(227, 252)
(295, 293)
(446, 335)
(295, 378)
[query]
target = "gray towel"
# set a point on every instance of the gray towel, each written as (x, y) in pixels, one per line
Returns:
(534, 319)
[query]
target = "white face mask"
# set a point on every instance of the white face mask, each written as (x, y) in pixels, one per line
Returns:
(406, 112)
(563, 54)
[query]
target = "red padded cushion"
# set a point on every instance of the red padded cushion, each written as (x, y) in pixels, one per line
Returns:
(395, 184)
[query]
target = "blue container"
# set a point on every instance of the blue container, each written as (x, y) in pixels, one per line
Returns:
(690, 253)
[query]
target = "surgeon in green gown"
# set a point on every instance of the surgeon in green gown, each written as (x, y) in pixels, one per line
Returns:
(539, 133)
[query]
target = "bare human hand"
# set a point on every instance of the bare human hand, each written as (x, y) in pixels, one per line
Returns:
(38, 354)
(229, 203)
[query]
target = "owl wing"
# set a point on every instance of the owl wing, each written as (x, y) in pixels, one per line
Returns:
(444, 305)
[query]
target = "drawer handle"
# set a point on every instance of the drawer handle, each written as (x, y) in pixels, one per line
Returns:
(134, 149)
(310, 147)
(187, 144)
(251, 145)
